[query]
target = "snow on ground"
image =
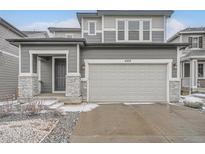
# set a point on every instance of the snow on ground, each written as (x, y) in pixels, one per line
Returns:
(8, 102)
(199, 95)
(191, 99)
(137, 103)
(78, 108)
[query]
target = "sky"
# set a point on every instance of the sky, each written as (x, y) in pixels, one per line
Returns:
(40, 20)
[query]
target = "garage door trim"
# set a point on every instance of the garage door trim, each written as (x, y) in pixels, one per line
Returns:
(168, 62)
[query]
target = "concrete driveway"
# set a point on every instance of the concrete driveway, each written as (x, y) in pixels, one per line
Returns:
(140, 123)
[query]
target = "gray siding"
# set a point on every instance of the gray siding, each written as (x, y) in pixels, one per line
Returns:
(63, 34)
(128, 54)
(46, 75)
(6, 33)
(8, 64)
(109, 36)
(8, 75)
(25, 61)
(93, 38)
(157, 36)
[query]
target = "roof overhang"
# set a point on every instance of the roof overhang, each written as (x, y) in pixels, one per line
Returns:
(46, 41)
(61, 29)
(12, 28)
(136, 45)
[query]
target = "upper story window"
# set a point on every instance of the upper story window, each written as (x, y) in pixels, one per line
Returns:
(91, 28)
(196, 41)
(133, 30)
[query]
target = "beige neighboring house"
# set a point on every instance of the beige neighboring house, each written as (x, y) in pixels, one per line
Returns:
(9, 56)
(192, 59)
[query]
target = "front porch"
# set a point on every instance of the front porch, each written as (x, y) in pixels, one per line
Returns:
(50, 78)
(193, 76)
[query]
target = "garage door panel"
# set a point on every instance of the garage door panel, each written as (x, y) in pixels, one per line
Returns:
(130, 82)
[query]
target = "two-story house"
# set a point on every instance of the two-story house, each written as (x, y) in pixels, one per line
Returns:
(120, 56)
(192, 58)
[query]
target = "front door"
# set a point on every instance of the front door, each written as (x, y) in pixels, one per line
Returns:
(59, 74)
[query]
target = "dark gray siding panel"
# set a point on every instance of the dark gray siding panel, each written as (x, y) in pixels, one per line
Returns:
(93, 38)
(109, 36)
(8, 75)
(158, 36)
(72, 60)
(128, 54)
(6, 46)
(46, 75)
(25, 61)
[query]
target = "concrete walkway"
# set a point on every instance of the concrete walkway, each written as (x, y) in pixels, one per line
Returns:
(140, 123)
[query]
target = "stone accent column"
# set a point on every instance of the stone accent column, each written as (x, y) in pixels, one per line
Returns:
(73, 88)
(28, 86)
(174, 91)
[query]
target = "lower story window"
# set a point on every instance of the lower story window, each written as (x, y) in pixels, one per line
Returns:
(186, 70)
(200, 70)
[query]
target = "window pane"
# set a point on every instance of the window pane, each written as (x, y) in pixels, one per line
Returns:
(146, 35)
(121, 35)
(133, 30)
(133, 25)
(187, 70)
(146, 25)
(200, 70)
(121, 25)
(92, 28)
(134, 35)
(195, 42)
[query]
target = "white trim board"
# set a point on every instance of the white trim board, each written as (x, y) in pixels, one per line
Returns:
(168, 62)
(9, 54)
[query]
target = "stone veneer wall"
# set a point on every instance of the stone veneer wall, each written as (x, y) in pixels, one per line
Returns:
(28, 86)
(73, 86)
(174, 91)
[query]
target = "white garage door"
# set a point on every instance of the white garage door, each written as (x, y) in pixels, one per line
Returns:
(127, 82)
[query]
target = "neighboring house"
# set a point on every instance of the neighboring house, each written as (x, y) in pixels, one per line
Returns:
(36, 34)
(8, 59)
(192, 58)
(122, 56)
(65, 32)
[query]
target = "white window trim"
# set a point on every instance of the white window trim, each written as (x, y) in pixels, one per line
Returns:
(126, 20)
(95, 23)
(196, 36)
(53, 73)
(130, 61)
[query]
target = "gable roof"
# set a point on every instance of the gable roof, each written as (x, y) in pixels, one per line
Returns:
(100, 13)
(12, 28)
(63, 29)
(189, 30)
